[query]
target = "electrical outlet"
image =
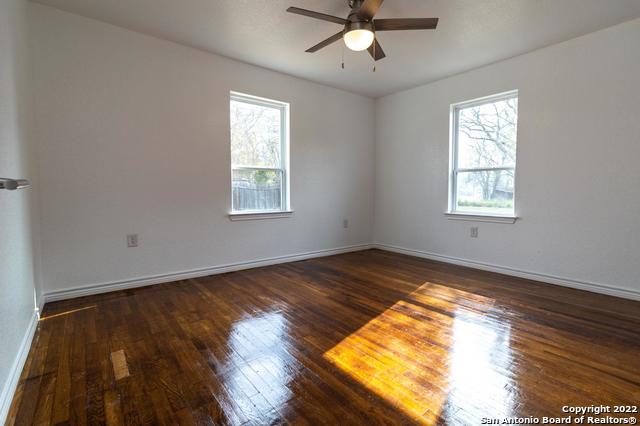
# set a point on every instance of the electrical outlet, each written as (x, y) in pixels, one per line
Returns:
(345, 223)
(474, 232)
(132, 240)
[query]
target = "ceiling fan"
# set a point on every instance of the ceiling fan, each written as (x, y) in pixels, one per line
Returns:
(360, 27)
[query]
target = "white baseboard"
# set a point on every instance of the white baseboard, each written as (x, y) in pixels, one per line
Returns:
(196, 273)
(10, 386)
(176, 276)
(550, 279)
(40, 305)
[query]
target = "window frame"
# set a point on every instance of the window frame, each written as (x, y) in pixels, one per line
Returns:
(285, 206)
(454, 170)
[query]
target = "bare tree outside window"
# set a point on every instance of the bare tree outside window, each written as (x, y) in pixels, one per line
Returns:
(483, 172)
(255, 135)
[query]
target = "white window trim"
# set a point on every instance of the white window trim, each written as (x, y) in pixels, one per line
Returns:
(259, 215)
(477, 217)
(451, 212)
(286, 211)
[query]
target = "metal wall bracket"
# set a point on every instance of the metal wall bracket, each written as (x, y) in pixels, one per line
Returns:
(12, 184)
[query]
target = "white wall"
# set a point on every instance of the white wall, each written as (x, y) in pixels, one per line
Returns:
(578, 176)
(134, 138)
(17, 211)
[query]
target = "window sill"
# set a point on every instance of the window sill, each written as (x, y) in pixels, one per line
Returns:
(478, 217)
(260, 215)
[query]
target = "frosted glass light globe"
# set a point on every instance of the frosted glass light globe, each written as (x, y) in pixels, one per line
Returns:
(358, 40)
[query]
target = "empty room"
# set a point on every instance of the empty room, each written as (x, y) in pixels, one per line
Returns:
(319, 212)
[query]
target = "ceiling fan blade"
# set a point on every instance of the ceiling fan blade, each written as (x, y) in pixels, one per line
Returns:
(369, 9)
(379, 53)
(405, 24)
(317, 15)
(325, 43)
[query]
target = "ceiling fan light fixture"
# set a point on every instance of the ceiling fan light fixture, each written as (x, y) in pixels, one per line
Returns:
(361, 26)
(358, 40)
(358, 36)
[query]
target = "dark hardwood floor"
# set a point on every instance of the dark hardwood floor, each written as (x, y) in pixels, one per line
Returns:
(361, 338)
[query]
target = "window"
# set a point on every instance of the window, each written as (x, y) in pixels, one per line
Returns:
(259, 155)
(483, 156)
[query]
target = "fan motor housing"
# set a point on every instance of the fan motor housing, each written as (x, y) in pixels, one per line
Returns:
(358, 25)
(355, 4)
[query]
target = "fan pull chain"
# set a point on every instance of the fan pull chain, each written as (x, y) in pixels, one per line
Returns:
(342, 55)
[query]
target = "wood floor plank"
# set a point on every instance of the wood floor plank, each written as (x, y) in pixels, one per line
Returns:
(371, 337)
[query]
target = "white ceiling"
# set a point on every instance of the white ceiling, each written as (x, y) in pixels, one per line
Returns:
(471, 33)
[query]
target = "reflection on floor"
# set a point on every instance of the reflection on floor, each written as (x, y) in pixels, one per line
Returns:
(469, 357)
(361, 338)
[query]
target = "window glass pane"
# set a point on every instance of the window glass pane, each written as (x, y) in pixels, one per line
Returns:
(487, 134)
(485, 192)
(257, 189)
(255, 135)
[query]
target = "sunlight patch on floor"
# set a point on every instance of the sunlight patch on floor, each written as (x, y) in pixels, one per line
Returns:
(427, 356)
(69, 312)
